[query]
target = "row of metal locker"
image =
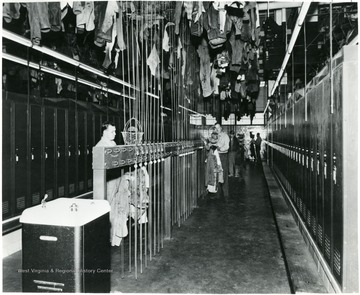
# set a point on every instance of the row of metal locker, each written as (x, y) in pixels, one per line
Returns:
(50, 152)
(306, 146)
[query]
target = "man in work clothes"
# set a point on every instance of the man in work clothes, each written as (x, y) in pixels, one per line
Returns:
(223, 148)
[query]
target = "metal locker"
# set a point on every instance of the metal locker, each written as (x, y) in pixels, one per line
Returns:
(337, 179)
(60, 153)
(7, 159)
(90, 142)
(72, 153)
(313, 151)
(301, 161)
(319, 165)
(97, 126)
(21, 158)
(308, 148)
(327, 164)
(36, 160)
(49, 152)
(81, 152)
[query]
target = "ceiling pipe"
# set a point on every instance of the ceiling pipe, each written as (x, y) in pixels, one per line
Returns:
(299, 22)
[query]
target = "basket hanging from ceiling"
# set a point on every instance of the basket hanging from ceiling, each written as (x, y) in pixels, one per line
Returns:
(133, 132)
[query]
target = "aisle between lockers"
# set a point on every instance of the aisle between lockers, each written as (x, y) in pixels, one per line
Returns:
(221, 248)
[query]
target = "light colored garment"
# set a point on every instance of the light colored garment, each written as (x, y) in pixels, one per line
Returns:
(223, 142)
(119, 203)
(166, 39)
(105, 142)
(153, 60)
(85, 15)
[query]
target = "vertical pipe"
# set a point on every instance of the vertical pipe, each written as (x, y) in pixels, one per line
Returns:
(158, 205)
(150, 206)
(331, 60)
(122, 250)
(305, 77)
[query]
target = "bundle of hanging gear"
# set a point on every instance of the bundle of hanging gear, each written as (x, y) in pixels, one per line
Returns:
(129, 197)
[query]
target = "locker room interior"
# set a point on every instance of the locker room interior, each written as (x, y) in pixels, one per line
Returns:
(147, 212)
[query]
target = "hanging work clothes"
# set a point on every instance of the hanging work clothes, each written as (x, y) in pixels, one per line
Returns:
(196, 25)
(130, 57)
(139, 197)
(205, 68)
(85, 16)
(214, 171)
(218, 25)
(38, 14)
(119, 203)
(11, 11)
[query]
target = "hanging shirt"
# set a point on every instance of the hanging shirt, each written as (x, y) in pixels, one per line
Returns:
(223, 142)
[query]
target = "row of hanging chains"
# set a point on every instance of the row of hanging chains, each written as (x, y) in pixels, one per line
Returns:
(125, 108)
(142, 112)
(137, 190)
(182, 117)
(174, 125)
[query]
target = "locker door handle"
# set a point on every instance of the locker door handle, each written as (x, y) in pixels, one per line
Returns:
(46, 155)
(48, 238)
(325, 168)
(334, 174)
(318, 167)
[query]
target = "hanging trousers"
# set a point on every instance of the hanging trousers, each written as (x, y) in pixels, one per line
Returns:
(225, 165)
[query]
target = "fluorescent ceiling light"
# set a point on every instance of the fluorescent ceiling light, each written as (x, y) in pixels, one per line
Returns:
(26, 42)
(152, 95)
(19, 60)
(57, 73)
(17, 38)
(299, 22)
(165, 108)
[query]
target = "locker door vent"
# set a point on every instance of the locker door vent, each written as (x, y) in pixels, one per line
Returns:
(320, 234)
(61, 191)
(71, 188)
(301, 205)
(35, 198)
(314, 225)
(337, 262)
(327, 247)
(308, 217)
(5, 207)
(20, 203)
(304, 211)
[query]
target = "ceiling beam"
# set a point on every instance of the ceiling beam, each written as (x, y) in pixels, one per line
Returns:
(271, 5)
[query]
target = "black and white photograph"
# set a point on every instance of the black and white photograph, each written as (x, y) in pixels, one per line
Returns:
(186, 147)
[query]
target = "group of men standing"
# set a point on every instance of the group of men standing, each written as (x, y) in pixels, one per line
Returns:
(231, 152)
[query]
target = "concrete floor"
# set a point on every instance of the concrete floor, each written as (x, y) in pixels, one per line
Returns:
(221, 248)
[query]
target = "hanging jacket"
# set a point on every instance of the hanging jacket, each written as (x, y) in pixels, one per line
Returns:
(217, 36)
(119, 203)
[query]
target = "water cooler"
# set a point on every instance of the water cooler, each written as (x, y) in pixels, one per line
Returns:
(65, 246)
